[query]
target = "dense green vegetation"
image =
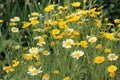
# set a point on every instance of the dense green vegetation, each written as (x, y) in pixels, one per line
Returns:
(59, 40)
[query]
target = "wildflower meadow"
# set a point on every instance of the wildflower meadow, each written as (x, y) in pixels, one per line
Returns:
(68, 41)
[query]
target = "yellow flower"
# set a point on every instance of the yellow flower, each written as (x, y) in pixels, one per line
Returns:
(107, 50)
(106, 19)
(75, 32)
(99, 46)
(57, 37)
(8, 69)
(49, 8)
(1, 20)
(109, 36)
(37, 57)
(41, 41)
(46, 77)
(62, 24)
(25, 24)
(63, 34)
(27, 56)
(34, 22)
(84, 1)
(15, 63)
(56, 71)
(110, 24)
(66, 78)
(55, 31)
(99, 59)
(112, 74)
(76, 4)
(117, 20)
(35, 14)
(12, 24)
(84, 44)
(112, 68)
(118, 25)
(99, 23)
(37, 30)
(74, 18)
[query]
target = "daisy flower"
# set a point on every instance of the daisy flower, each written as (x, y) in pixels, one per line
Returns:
(67, 43)
(112, 57)
(92, 39)
(77, 54)
(33, 51)
(46, 52)
(14, 29)
(15, 19)
(33, 71)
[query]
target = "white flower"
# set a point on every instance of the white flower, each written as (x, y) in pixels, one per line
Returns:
(34, 51)
(67, 43)
(46, 77)
(15, 19)
(112, 57)
(37, 37)
(77, 54)
(69, 30)
(92, 39)
(46, 52)
(33, 71)
(14, 29)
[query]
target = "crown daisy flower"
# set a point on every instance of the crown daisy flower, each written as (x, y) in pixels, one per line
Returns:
(34, 51)
(67, 43)
(112, 57)
(46, 52)
(33, 71)
(15, 19)
(14, 29)
(77, 54)
(92, 39)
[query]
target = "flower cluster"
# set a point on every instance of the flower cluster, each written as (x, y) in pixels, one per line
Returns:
(63, 43)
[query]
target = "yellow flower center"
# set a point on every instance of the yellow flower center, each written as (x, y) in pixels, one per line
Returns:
(77, 54)
(68, 43)
(45, 52)
(35, 71)
(112, 56)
